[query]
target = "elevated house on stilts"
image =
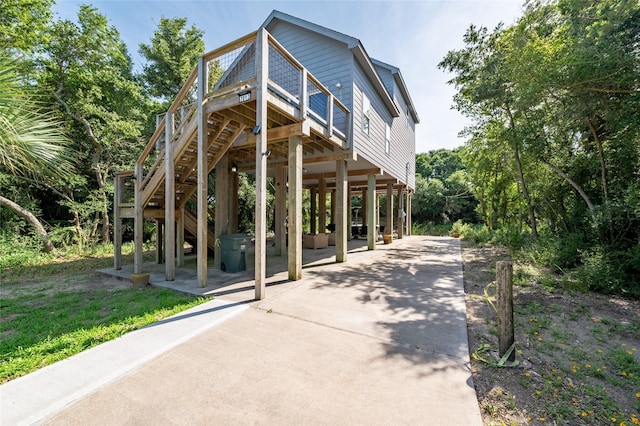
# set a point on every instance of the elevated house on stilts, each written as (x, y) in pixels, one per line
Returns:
(294, 101)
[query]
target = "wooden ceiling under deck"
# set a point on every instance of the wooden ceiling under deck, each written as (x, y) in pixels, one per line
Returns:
(229, 132)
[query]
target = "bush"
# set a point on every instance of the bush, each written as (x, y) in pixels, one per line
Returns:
(512, 237)
(20, 250)
(430, 228)
(477, 234)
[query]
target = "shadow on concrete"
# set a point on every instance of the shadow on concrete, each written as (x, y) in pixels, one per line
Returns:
(416, 289)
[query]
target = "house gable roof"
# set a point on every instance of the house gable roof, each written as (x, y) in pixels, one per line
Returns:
(397, 76)
(352, 44)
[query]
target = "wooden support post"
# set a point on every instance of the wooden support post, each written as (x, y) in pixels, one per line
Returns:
(203, 174)
(349, 212)
(408, 218)
(281, 211)
(295, 208)
(364, 210)
(332, 208)
(159, 242)
(329, 131)
(221, 210)
(233, 197)
(180, 239)
(169, 200)
(138, 221)
(377, 211)
(117, 223)
(389, 226)
(340, 215)
(313, 207)
(400, 212)
(504, 305)
(262, 74)
(371, 212)
(322, 206)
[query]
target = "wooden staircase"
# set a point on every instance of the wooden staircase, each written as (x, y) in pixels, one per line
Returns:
(222, 133)
(191, 228)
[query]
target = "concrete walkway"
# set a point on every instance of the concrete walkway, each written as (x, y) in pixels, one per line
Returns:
(379, 340)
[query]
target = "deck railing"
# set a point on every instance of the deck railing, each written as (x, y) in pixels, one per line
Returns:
(230, 65)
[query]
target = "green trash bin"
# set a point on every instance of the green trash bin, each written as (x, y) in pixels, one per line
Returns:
(233, 249)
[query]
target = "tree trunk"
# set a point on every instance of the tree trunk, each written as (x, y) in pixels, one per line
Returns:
(577, 188)
(100, 173)
(47, 246)
(603, 175)
(525, 190)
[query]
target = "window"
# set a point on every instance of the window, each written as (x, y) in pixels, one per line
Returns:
(366, 114)
(387, 139)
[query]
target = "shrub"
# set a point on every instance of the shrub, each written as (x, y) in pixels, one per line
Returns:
(477, 234)
(429, 228)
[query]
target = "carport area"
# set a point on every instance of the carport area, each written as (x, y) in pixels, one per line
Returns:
(236, 286)
(379, 340)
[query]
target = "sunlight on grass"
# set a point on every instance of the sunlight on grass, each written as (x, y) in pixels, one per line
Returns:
(40, 329)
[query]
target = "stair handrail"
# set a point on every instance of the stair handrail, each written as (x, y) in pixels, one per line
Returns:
(177, 102)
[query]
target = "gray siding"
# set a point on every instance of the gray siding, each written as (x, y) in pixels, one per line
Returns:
(331, 62)
(327, 59)
(403, 139)
(371, 146)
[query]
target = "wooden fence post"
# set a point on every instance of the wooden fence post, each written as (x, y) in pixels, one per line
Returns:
(504, 305)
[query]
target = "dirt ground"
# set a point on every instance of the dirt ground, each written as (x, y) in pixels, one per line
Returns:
(578, 354)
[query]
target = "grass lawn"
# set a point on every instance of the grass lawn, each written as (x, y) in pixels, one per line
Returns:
(56, 309)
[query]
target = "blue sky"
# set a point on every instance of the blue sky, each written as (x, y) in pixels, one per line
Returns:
(412, 35)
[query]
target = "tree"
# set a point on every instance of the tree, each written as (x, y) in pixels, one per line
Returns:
(486, 90)
(558, 92)
(172, 54)
(32, 144)
(443, 192)
(23, 23)
(89, 73)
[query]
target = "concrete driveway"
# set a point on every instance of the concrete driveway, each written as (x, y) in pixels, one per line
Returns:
(380, 339)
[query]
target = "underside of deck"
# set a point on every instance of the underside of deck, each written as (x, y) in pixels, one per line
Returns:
(264, 115)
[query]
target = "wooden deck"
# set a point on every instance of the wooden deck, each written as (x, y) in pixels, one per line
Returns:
(252, 98)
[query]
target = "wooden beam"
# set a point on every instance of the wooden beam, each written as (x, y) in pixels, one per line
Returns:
(180, 239)
(221, 212)
(203, 173)
(389, 226)
(194, 162)
(262, 73)
(159, 242)
(233, 198)
(295, 209)
(275, 134)
(138, 221)
(400, 212)
(117, 222)
(328, 175)
(169, 200)
(322, 207)
(365, 210)
(313, 210)
(349, 201)
(346, 155)
(371, 213)
(281, 211)
(341, 211)
(408, 221)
